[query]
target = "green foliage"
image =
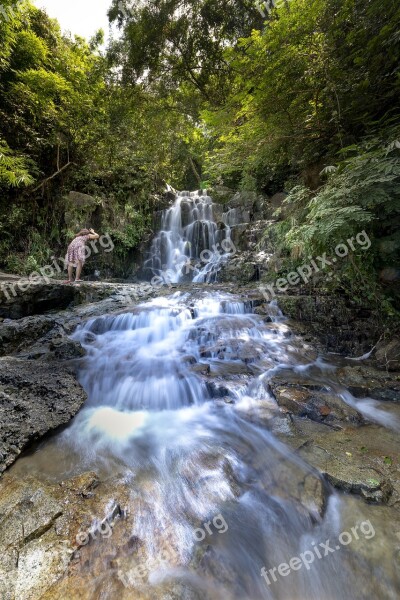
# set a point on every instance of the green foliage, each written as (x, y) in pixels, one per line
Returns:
(14, 169)
(203, 92)
(319, 77)
(181, 41)
(361, 194)
(67, 123)
(363, 191)
(29, 51)
(131, 235)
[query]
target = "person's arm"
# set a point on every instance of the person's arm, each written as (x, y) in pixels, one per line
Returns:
(93, 235)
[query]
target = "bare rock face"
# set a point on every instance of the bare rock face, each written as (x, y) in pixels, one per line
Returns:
(35, 397)
(341, 325)
(357, 460)
(15, 334)
(346, 473)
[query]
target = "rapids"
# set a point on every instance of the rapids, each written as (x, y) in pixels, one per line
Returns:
(180, 415)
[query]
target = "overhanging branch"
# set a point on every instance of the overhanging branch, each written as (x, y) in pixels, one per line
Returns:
(42, 183)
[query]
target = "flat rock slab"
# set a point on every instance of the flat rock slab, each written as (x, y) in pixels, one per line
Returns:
(362, 460)
(35, 398)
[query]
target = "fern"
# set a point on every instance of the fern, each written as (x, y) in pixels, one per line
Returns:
(360, 190)
(14, 169)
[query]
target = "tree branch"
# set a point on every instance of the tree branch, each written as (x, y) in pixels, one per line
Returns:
(52, 176)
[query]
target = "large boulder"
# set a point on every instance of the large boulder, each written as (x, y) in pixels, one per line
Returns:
(35, 398)
(25, 297)
(221, 194)
(236, 216)
(218, 211)
(244, 200)
(358, 460)
(363, 381)
(19, 334)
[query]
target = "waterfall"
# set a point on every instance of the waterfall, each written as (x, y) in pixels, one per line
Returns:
(191, 245)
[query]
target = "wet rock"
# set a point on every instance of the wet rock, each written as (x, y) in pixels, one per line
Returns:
(207, 562)
(362, 460)
(200, 369)
(35, 398)
(347, 475)
(365, 381)
(82, 485)
(186, 212)
(239, 269)
(218, 390)
(51, 540)
(236, 216)
(45, 336)
(263, 311)
(308, 491)
(218, 211)
(303, 430)
(251, 351)
(313, 401)
(313, 495)
(42, 297)
(66, 349)
(27, 513)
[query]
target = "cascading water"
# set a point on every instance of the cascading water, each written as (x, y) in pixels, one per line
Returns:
(180, 419)
(190, 246)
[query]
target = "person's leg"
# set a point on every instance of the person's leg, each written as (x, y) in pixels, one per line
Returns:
(70, 271)
(79, 270)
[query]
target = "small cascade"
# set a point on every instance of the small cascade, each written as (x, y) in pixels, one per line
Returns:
(183, 426)
(191, 246)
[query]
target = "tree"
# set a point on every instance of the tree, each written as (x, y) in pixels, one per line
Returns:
(177, 41)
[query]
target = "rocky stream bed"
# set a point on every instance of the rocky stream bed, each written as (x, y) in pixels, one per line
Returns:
(42, 517)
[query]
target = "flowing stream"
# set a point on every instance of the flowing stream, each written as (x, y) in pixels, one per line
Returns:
(180, 420)
(180, 415)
